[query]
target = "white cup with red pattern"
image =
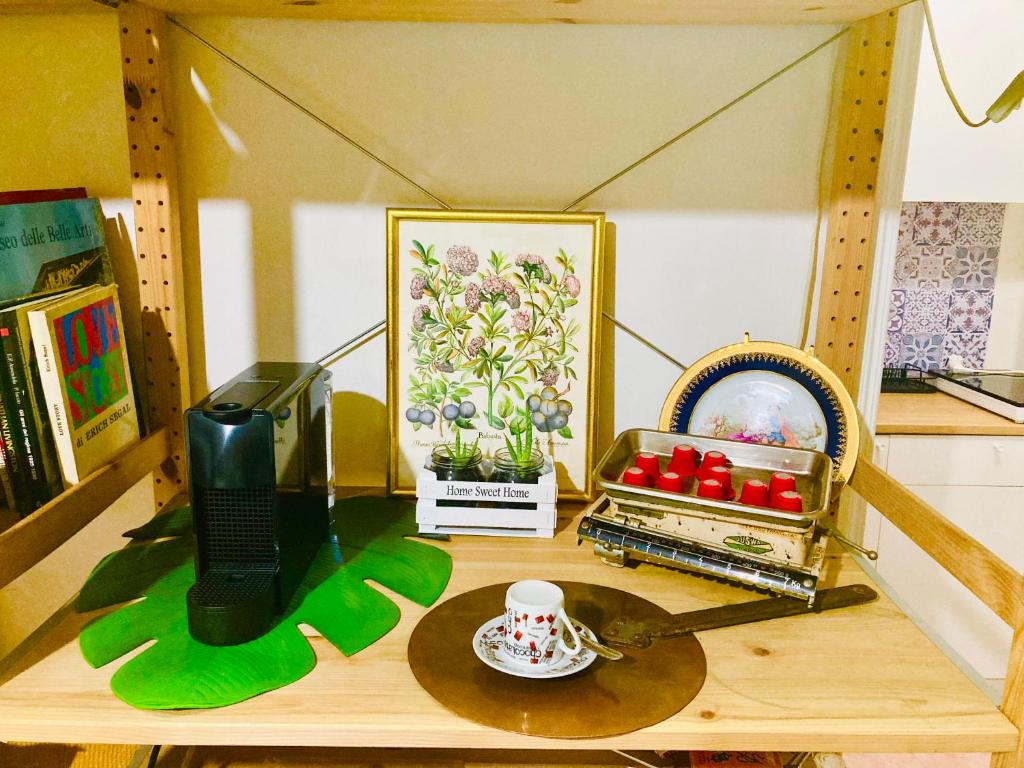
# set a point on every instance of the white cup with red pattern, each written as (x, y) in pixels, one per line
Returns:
(534, 620)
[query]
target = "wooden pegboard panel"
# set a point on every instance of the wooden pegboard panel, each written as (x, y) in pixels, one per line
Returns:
(157, 233)
(849, 247)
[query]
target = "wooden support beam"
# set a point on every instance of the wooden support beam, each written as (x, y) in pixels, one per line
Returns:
(151, 142)
(30, 540)
(1013, 702)
(853, 199)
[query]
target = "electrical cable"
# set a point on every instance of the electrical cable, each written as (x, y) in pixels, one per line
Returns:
(942, 70)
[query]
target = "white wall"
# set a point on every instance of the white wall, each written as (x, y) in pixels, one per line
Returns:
(284, 224)
(981, 46)
(1006, 334)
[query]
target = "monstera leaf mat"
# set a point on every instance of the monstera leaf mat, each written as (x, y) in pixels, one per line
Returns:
(176, 672)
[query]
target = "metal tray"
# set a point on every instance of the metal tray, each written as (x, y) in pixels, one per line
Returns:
(812, 470)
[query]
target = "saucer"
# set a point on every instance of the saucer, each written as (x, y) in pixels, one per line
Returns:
(488, 643)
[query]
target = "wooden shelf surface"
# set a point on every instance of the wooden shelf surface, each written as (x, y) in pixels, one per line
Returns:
(938, 414)
(861, 679)
(508, 11)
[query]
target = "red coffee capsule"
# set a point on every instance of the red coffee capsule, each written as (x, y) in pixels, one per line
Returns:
(788, 501)
(724, 476)
(779, 482)
(684, 461)
(649, 463)
(754, 493)
(636, 476)
(711, 489)
(711, 460)
(670, 481)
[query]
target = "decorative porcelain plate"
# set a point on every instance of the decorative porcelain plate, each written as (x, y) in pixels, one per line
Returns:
(489, 641)
(767, 393)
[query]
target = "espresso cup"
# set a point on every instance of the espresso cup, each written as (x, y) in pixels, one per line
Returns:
(685, 460)
(636, 476)
(780, 482)
(649, 463)
(670, 481)
(724, 476)
(711, 460)
(534, 619)
(755, 493)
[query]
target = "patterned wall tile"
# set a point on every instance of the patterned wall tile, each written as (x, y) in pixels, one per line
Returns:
(970, 346)
(907, 213)
(943, 285)
(936, 223)
(925, 311)
(897, 301)
(979, 224)
(925, 266)
(975, 267)
(970, 311)
(893, 340)
(924, 350)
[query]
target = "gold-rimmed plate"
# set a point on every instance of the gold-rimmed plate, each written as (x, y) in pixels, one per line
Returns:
(767, 393)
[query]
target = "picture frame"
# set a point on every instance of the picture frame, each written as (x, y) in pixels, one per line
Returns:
(488, 311)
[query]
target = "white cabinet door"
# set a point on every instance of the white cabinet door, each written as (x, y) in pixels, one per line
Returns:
(977, 482)
(956, 460)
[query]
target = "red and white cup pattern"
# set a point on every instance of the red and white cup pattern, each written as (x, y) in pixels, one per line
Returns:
(534, 620)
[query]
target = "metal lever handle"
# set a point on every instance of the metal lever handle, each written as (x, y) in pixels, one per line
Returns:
(870, 554)
(624, 631)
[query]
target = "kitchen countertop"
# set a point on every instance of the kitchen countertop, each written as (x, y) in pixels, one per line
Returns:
(938, 414)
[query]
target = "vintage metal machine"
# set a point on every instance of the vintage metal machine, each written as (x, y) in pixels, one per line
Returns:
(780, 552)
(262, 489)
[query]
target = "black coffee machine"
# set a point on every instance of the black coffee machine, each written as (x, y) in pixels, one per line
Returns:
(262, 488)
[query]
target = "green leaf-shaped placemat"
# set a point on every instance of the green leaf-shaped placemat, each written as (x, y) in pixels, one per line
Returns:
(176, 672)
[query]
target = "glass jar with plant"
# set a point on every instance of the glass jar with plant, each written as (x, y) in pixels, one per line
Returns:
(459, 461)
(519, 461)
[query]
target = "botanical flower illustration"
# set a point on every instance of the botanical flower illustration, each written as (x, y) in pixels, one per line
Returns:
(500, 328)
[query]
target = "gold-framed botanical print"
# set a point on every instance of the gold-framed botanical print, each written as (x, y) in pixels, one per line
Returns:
(493, 331)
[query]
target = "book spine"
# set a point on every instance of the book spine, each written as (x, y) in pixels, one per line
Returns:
(40, 414)
(49, 376)
(19, 412)
(5, 470)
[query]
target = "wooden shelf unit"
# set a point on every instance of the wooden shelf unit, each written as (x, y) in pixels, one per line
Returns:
(861, 101)
(506, 11)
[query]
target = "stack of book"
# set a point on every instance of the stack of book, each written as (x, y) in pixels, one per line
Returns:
(67, 404)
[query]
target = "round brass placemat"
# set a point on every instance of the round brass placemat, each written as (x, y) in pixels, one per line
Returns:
(606, 699)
